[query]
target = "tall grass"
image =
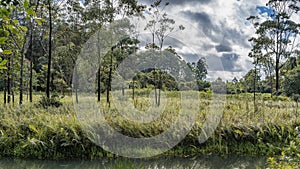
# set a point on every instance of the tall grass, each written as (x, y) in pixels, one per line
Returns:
(29, 131)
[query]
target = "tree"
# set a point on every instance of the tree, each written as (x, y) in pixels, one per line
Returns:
(160, 26)
(276, 35)
(291, 86)
(15, 33)
(218, 86)
(251, 81)
(49, 50)
(291, 83)
(199, 70)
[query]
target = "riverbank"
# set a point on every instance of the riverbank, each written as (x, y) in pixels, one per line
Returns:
(55, 133)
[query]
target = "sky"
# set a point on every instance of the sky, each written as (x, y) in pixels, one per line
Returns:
(216, 30)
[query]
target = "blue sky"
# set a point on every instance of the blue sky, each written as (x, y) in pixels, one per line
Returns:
(265, 10)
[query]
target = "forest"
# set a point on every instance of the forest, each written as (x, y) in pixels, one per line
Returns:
(56, 54)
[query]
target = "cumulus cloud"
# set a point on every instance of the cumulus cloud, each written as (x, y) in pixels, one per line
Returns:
(223, 48)
(217, 30)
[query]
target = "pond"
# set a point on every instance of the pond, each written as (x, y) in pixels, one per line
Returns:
(228, 162)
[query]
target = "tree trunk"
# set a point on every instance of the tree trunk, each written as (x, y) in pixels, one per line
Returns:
(4, 98)
(50, 52)
(271, 85)
(21, 78)
(9, 80)
(159, 89)
(75, 80)
(12, 82)
(109, 77)
(277, 75)
(277, 58)
(99, 84)
(133, 86)
(31, 66)
(99, 72)
(155, 92)
(254, 94)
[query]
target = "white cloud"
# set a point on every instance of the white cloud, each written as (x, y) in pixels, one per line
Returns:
(222, 22)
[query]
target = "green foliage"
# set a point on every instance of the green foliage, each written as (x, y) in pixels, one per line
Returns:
(283, 162)
(275, 37)
(291, 83)
(150, 78)
(218, 86)
(53, 101)
(3, 64)
(55, 133)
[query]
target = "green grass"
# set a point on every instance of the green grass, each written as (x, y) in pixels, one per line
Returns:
(29, 131)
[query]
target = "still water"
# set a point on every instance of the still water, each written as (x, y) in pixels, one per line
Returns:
(201, 162)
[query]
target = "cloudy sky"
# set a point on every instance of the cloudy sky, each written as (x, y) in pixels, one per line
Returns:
(217, 30)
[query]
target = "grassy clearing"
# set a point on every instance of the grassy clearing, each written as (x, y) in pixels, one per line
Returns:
(56, 133)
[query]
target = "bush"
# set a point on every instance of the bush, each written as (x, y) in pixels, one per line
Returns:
(291, 83)
(53, 101)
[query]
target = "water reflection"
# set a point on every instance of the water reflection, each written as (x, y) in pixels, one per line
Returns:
(203, 162)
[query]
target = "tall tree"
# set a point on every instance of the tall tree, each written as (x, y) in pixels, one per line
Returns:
(201, 69)
(49, 50)
(276, 34)
(160, 27)
(16, 18)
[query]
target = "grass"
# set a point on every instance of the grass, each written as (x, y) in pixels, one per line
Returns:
(29, 131)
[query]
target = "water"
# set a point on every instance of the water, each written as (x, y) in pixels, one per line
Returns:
(202, 162)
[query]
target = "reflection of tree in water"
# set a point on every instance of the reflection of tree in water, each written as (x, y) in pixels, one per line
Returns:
(155, 163)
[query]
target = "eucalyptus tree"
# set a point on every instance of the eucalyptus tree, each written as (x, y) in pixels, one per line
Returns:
(199, 70)
(160, 26)
(5, 21)
(98, 13)
(16, 19)
(276, 35)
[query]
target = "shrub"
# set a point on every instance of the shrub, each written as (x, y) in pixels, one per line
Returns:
(53, 101)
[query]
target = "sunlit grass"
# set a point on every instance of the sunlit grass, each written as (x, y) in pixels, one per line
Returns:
(35, 132)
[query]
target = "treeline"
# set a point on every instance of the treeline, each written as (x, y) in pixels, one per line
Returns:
(40, 41)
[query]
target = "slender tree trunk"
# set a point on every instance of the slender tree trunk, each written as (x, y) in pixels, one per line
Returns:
(159, 81)
(9, 80)
(50, 51)
(31, 67)
(155, 92)
(277, 74)
(277, 57)
(12, 82)
(254, 85)
(109, 77)
(99, 72)
(271, 85)
(159, 89)
(4, 98)
(99, 84)
(13, 97)
(30, 55)
(75, 80)
(21, 79)
(297, 109)
(133, 82)
(133, 86)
